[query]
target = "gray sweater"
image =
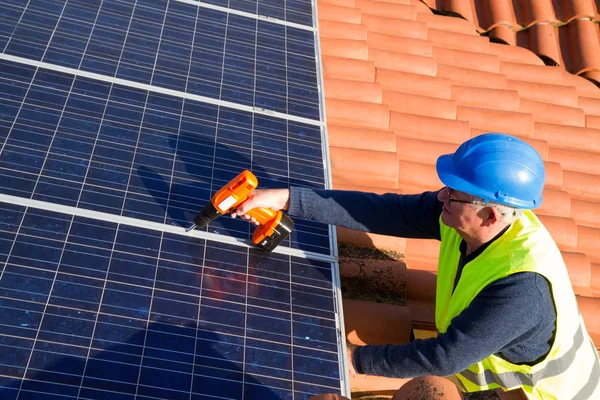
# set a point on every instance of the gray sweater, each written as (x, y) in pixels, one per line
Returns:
(513, 317)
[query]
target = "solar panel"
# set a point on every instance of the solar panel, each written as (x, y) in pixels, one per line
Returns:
(174, 45)
(95, 310)
(130, 152)
(118, 121)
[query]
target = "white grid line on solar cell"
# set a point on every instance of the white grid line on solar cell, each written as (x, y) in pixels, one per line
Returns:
(156, 226)
(156, 89)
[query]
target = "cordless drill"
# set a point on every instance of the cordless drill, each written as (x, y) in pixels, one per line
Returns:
(274, 226)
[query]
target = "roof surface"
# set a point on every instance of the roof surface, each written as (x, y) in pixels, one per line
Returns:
(404, 85)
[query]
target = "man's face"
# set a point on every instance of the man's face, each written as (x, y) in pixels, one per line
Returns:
(460, 210)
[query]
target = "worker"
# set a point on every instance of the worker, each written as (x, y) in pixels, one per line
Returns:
(506, 314)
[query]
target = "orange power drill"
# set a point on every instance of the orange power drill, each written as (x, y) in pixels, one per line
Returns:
(274, 226)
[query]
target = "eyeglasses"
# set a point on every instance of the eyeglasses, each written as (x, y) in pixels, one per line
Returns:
(451, 200)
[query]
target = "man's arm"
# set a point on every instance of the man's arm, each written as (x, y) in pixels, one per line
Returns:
(498, 320)
(414, 216)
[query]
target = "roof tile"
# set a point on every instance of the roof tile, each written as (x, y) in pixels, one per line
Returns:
(392, 26)
(555, 203)
(542, 39)
(471, 77)
(568, 137)
(554, 175)
(531, 73)
(580, 272)
(402, 62)
(413, 83)
(587, 242)
(356, 113)
(467, 59)
(429, 128)
(592, 121)
(339, 13)
(361, 138)
(456, 25)
(589, 105)
(458, 41)
(563, 231)
(548, 93)
(369, 92)
(568, 10)
(576, 160)
(418, 174)
(584, 86)
(422, 249)
(354, 49)
(419, 105)
(552, 113)
(382, 41)
(582, 186)
(348, 69)
(504, 34)
(519, 124)
(595, 280)
(364, 167)
(580, 46)
(514, 54)
(493, 99)
(586, 212)
(342, 30)
(386, 9)
(422, 151)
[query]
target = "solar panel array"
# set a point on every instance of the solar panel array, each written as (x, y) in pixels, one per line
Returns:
(118, 121)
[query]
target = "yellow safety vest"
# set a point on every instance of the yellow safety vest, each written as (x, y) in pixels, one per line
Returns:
(571, 369)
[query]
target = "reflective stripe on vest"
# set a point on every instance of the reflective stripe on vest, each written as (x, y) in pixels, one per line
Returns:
(553, 368)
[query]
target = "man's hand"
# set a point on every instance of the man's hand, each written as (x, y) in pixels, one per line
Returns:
(349, 355)
(275, 199)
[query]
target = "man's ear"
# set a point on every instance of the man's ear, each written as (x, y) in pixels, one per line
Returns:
(489, 216)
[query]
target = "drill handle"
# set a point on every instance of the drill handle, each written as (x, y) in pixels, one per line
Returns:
(262, 215)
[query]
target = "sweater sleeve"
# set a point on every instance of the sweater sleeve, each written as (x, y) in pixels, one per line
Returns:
(411, 216)
(502, 317)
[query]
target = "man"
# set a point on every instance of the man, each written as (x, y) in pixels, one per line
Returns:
(506, 314)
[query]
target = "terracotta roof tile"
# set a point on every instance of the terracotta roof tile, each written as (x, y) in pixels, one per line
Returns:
(595, 280)
(518, 123)
(348, 69)
(586, 212)
(353, 49)
(576, 160)
(568, 137)
(458, 41)
(592, 121)
(580, 272)
(552, 113)
(339, 13)
(356, 113)
(471, 77)
(402, 61)
(361, 138)
(364, 167)
(403, 86)
(556, 203)
(429, 128)
(493, 99)
(342, 30)
(564, 33)
(548, 93)
(587, 242)
(382, 41)
(467, 59)
(391, 26)
(413, 83)
(563, 230)
(419, 105)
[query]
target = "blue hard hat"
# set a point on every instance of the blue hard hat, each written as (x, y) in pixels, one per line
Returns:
(496, 167)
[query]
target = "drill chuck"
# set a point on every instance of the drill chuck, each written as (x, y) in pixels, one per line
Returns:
(208, 214)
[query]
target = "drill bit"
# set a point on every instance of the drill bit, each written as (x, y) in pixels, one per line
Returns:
(192, 227)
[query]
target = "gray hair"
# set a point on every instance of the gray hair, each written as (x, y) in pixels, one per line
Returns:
(508, 214)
